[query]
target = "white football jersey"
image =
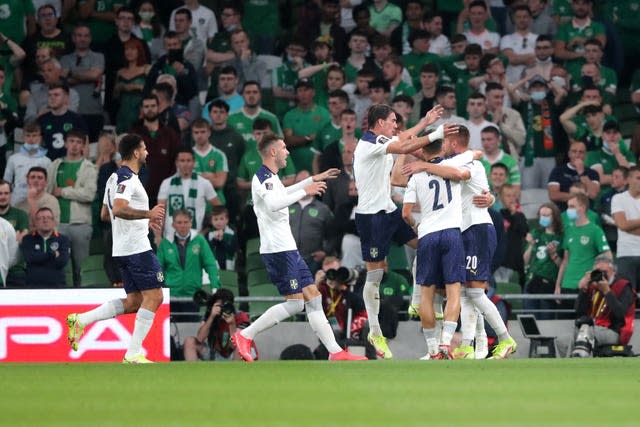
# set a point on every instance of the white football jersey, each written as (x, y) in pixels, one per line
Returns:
(439, 199)
(372, 169)
(130, 236)
(471, 215)
(271, 200)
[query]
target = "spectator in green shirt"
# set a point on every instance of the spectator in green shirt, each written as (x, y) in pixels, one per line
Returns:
(571, 36)
(392, 70)
(286, 75)
(494, 154)
(582, 243)
(582, 75)
(418, 56)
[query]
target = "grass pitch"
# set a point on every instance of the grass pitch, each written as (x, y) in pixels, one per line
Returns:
(547, 392)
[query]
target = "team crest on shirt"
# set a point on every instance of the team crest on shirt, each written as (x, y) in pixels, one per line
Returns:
(381, 139)
(67, 127)
(212, 163)
(195, 249)
(160, 276)
(293, 284)
(120, 188)
(313, 212)
(373, 252)
(55, 246)
(584, 240)
(268, 185)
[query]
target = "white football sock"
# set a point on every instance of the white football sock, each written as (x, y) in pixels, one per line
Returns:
(489, 311)
(430, 339)
(107, 310)
(448, 329)
(371, 296)
(320, 324)
(144, 320)
(468, 318)
(274, 315)
(415, 295)
(439, 313)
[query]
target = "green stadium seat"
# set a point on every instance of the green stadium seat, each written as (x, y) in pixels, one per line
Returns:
(265, 290)
(253, 246)
(254, 262)
(68, 274)
(93, 262)
(229, 280)
(257, 277)
(95, 279)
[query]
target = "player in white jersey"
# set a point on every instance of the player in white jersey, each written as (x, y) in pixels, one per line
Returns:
(377, 218)
(479, 238)
(286, 268)
(126, 205)
(440, 256)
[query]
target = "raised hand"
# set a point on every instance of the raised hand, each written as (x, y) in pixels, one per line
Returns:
(434, 114)
(328, 174)
(315, 188)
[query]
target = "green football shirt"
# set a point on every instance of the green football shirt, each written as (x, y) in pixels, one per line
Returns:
(583, 243)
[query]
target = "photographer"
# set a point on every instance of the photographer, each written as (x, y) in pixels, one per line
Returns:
(333, 282)
(213, 340)
(605, 309)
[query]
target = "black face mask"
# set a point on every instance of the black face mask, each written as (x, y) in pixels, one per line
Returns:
(175, 55)
(586, 81)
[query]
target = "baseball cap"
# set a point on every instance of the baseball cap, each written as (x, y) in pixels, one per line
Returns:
(537, 80)
(304, 83)
(611, 125)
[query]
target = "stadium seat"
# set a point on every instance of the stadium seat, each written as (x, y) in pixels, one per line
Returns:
(68, 274)
(256, 308)
(92, 272)
(254, 262)
(257, 277)
(96, 246)
(253, 246)
(510, 288)
(229, 280)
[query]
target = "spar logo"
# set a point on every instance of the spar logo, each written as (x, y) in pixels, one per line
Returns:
(44, 338)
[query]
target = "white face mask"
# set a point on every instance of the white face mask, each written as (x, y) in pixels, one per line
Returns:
(538, 95)
(146, 16)
(560, 81)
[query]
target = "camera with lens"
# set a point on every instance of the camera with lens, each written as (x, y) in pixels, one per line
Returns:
(204, 299)
(343, 274)
(598, 276)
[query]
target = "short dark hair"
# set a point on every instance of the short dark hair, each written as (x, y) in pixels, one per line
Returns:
(473, 49)
(249, 83)
(228, 69)
(594, 42)
(493, 86)
(477, 95)
(339, 93)
(38, 169)
(164, 88)
(219, 210)
(262, 124)
(3, 182)
(219, 103)
(170, 35)
(44, 209)
(348, 111)
(379, 84)
(62, 86)
(463, 136)
(521, 7)
(544, 38)
(478, 3)
(150, 96)
(417, 35)
(429, 67)
(500, 165)
(200, 123)
(434, 148)
(76, 133)
(184, 149)
(625, 171)
(403, 98)
(184, 11)
(31, 127)
(128, 144)
(444, 91)
(267, 141)
(378, 112)
(491, 129)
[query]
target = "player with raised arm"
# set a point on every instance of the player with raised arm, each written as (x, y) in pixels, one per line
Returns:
(377, 218)
(479, 237)
(126, 205)
(287, 269)
(440, 255)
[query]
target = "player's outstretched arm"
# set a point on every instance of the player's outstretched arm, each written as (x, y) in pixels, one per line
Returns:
(121, 209)
(429, 118)
(328, 174)
(445, 171)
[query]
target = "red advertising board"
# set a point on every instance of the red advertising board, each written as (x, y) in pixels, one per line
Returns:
(33, 327)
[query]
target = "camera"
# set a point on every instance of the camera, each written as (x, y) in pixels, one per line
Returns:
(343, 274)
(598, 276)
(202, 298)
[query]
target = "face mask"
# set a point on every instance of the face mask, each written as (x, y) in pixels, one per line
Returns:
(544, 221)
(31, 147)
(146, 16)
(538, 96)
(231, 27)
(117, 156)
(290, 58)
(605, 145)
(572, 214)
(560, 81)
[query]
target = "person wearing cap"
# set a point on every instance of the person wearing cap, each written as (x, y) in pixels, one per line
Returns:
(572, 35)
(613, 153)
(302, 123)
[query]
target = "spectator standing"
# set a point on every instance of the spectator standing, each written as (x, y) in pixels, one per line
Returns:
(516, 229)
(243, 120)
(11, 266)
(385, 16)
(222, 239)
(37, 196)
(519, 46)
(48, 34)
(186, 190)
(581, 244)
(46, 253)
(572, 35)
(183, 255)
(619, 178)
(286, 75)
(162, 143)
(37, 95)
(203, 25)
(494, 154)
(8, 249)
(100, 17)
(130, 81)
(358, 45)
(193, 48)
(563, 176)
(74, 182)
(31, 154)
(478, 33)
(19, 16)
(476, 110)
(59, 121)
(211, 163)
(625, 209)
(228, 91)
(542, 259)
(506, 118)
(149, 29)
(83, 70)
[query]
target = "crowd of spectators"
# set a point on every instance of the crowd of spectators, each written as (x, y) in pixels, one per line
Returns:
(538, 83)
